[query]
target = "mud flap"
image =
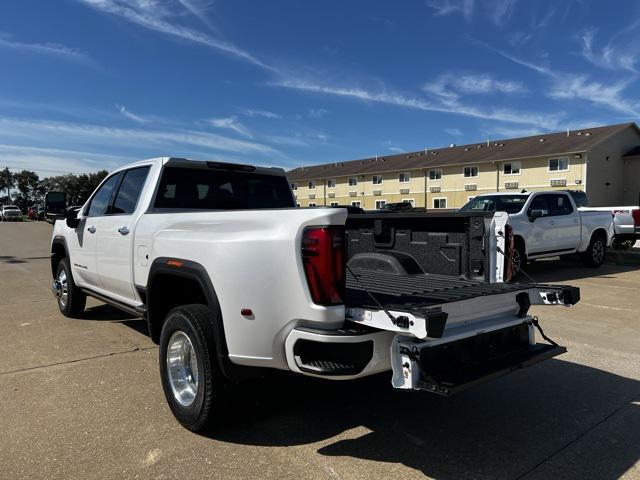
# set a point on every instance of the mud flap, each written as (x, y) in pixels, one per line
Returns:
(447, 368)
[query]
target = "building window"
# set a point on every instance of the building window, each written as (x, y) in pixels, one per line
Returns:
(312, 204)
(435, 174)
(511, 168)
(410, 201)
(334, 204)
(380, 204)
(356, 204)
(298, 205)
(294, 186)
(353, 181)
(558, 164)
(377, 179)
(470, 172)
(331, 183)
(439, 203)
(312, 185)
(404, 177)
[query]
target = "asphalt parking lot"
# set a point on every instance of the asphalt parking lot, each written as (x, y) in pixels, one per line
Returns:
(81, 398)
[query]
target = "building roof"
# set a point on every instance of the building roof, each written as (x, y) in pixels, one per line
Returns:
(488, 151)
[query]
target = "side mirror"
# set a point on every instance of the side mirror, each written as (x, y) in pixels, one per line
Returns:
(71, 216)
(533, 214)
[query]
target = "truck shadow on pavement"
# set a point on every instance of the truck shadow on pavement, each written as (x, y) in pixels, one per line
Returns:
(556, 419)
(111, 314)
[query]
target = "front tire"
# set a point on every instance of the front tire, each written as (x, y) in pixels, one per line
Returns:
(193, 385)
(596, 252)
(71, 300)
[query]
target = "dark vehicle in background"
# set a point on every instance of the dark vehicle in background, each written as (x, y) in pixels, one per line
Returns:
(55, 206)
(399, 207)
(350, 208)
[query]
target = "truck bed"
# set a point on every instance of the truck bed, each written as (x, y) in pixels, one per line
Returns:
(416, 292)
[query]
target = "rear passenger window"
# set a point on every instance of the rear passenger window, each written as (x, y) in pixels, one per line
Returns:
(560, 205)
(213, 189)
(129, 191)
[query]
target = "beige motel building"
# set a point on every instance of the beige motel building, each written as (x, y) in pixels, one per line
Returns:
(602, 161)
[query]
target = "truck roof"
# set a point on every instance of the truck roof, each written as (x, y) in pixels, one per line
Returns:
(191, 163)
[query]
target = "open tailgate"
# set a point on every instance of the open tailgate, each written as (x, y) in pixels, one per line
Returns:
(453, 333)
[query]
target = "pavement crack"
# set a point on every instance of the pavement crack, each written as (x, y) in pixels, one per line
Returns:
(77, 360)
(579, 437)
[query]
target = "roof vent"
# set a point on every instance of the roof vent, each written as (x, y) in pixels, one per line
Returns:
(579, 133)
(501, 144)
(541, 140)
(467, 149)
(451, 145)
(588, 134)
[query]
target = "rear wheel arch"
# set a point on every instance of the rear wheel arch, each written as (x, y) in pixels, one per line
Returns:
(172, 286)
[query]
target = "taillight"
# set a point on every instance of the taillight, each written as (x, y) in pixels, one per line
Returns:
(636, 217)
(324, 263)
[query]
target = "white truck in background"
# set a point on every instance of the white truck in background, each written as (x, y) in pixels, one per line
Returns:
(233, 280)
(549, 224)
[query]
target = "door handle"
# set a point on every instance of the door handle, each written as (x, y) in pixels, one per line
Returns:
(123, 231)
(92, 229)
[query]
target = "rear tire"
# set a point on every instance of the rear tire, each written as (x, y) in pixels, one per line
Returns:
(195, 389)
(71, 300)
(596, 252)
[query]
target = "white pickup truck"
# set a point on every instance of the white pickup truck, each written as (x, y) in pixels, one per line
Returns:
(548, 224)
(233, 280)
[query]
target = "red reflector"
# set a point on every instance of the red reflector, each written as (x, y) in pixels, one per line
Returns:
(174, 263)
(246, 312)
(636, 217)
(324, 264)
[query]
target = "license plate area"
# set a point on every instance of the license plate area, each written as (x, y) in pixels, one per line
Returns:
(449, 368)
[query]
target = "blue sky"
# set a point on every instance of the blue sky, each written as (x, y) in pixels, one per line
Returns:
(89, 84)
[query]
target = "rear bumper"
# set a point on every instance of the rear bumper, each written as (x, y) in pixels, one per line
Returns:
(342, 354)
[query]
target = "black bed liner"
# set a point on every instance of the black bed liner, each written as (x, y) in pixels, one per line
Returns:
(416, 292)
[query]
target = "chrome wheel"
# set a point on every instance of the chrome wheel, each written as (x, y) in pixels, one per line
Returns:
(61, 288)
(597, 251)
(182, 368)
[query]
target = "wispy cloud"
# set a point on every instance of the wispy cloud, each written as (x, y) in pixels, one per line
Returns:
(499, 11)
(231, 123)
(260, 113)
(50, 49)
(156, 16)
(130, 115)
(149, 140)
(453, 84)
(608, 57)
(198, 9)
(448, 7)
(317, 113)
(51, 161)
(573, 86)
(451, 105)
(454, 132)
(579, 87)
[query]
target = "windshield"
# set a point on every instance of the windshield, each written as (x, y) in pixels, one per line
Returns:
(496, 203)
(10, 207)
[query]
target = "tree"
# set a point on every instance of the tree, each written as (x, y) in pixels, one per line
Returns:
(6, 181)
(26, 182)
(77, 187)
